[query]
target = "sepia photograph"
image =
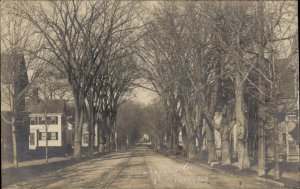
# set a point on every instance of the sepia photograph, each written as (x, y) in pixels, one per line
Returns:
(149, 94)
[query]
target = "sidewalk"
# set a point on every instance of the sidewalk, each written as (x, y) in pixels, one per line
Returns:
(34, 162)
(35, 168)
(290, 177)
(43, 161)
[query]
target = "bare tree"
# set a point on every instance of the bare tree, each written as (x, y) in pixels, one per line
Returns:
(79, 37)
(17, 40)
(130, 120)
(215, 64)
(255, 55)
(160, 55)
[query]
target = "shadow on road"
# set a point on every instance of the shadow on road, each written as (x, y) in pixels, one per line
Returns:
(55, 172)
(15, 175)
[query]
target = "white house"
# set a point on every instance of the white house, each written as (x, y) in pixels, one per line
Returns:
(48, 121)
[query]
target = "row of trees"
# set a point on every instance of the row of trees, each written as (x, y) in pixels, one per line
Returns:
(131, 123)
(217, 67)
(89, 44)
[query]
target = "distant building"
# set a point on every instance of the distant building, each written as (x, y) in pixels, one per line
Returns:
(146, 138)
(288, 125)
(85, 135)
(288, 119)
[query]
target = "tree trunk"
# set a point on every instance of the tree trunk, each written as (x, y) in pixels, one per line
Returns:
(168, 138)
(108, 133)
(176, 134)
(111, 126)
(116, 140)
(14, 140)
(191, 142)
(276, 150)
(77, 144)
(210, 144)
(98, 132)
(91, 131)
(101, 141)
(243, 158)
(115, 129)
(225, 150)
(190, 131)
(261, 104)
(103, 132)
(192, 146)
(172, 139)
(200, 136)
(244, 162)
(200, 143)
(78, 131)
(90, 139)
(184, 139)
(261, 152)
(127, 140)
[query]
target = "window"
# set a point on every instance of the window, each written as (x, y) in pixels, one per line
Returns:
(42, 136)
(33, 121)
(50, 136)
(42, 120)
(54, 120)
(53, 136)
(48, 120)
(31, 139)
(292, 118)
(293, 150)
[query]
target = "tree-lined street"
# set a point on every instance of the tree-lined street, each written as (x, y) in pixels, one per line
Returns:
(223, 76)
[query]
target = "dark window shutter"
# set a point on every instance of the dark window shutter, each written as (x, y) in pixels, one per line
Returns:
(31, 139)
(56, 136)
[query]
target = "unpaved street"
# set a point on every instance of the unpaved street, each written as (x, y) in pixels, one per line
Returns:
(141, 167)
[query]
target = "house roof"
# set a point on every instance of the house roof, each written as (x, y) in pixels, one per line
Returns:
(51, 106)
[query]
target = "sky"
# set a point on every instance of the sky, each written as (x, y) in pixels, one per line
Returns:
(143, 96)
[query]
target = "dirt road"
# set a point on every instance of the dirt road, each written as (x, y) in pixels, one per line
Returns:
(140, 168)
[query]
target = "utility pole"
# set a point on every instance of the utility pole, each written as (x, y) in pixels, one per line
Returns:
(46, 129)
